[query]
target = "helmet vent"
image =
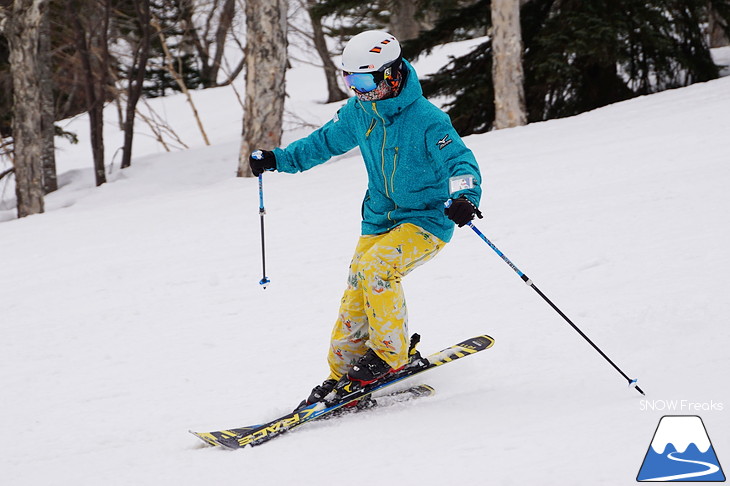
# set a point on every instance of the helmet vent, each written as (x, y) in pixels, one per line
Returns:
(372, 50)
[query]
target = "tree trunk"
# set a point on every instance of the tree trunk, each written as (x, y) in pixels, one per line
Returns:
(716, 29)
(332, 74)
(507, 73)
(403, 23)
(136, 77)
(210, 62)
(22, 29)
(225, 21)
(48, 157)
(92, 45)
(266, 44)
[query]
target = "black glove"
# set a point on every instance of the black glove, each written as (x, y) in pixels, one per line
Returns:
(261, 160)
(462, 211)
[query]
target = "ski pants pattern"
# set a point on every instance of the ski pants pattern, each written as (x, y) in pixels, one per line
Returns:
(373, 308)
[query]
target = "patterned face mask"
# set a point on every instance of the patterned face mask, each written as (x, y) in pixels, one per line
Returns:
(383, 91)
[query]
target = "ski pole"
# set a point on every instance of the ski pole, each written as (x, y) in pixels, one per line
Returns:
(262, 211)
(527, 280)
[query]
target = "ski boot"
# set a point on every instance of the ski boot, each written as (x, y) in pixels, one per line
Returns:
(370, 368)
(318, 393)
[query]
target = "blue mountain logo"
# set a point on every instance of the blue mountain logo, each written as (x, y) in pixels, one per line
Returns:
(681, 451)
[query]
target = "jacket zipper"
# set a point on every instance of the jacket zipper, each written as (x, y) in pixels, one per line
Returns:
(382, 162)
(382, 151)
(392, 178)
(371, 128)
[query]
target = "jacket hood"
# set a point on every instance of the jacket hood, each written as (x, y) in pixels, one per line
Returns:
(411, 92)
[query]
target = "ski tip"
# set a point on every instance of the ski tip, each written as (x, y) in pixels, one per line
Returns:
(205, 437)
(428, 390)
(489, 340)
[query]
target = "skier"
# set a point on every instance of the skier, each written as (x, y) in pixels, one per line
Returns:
(415, 162)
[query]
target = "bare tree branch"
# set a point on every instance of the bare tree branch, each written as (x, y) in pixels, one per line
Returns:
(160, 127)
(180, 81)
(7, 172)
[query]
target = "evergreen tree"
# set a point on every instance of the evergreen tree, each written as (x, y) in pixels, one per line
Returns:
(589, 54)
(578, 55)
(352, 16)
(168, 16)
(467, 79)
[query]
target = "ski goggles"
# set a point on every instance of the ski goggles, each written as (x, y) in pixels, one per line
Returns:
(362, 82)
(366, 82)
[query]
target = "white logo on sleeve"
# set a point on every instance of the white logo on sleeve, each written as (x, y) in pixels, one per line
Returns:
(444, 142)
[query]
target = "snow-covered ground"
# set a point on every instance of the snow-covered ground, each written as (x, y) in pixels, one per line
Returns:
(721, 56)
(132, 312)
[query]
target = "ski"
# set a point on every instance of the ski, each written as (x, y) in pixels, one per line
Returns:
(381, 401)
(259, 434)
(386, 400)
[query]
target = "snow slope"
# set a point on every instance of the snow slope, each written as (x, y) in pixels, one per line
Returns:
(132, 312)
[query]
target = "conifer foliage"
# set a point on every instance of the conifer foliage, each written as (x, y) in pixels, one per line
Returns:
(578, 55)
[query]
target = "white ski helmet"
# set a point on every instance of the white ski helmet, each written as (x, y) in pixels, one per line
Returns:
(372, 50)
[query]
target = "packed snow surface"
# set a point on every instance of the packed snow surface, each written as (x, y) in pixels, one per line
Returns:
(132, 312)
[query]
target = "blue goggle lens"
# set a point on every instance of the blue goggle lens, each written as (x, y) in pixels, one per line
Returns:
(362, 82)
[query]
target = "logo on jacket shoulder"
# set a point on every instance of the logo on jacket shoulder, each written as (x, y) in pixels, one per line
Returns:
(444, 142)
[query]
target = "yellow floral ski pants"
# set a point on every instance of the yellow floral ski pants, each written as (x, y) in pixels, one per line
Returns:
(373, 308)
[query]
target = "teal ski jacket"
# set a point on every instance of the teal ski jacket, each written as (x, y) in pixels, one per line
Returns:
(414, 158)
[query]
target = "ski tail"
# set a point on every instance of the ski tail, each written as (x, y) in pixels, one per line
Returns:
(464, 348)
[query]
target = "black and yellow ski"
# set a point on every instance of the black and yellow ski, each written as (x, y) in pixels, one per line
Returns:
(258, 434)
(385, 400)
